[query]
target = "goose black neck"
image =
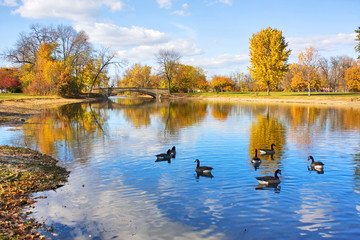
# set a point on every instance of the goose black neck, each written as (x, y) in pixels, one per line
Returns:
(197, 163)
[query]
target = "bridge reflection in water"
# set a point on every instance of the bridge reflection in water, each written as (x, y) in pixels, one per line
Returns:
(112, 91)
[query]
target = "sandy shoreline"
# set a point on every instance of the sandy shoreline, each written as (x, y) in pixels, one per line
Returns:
(16, 111)
(324, 101)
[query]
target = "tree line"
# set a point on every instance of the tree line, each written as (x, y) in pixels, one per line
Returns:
(56, 61)
(59, 60)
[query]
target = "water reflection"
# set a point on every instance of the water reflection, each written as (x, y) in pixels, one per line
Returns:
(163, 160)
(117, 190)
(274, 187)
(221, 111)
(209, 175)
(267, 129)
(356, 160)
(64, 128)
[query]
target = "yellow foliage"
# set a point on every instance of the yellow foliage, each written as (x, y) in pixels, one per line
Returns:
(352, 76)
(136, 76)
(268, 57)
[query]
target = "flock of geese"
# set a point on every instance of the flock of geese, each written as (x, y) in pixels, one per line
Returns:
(256, 161)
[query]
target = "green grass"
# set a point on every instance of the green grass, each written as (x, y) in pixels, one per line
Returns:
(278, 94)
(11, 96)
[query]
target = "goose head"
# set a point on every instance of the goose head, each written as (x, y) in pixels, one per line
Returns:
(278, 171)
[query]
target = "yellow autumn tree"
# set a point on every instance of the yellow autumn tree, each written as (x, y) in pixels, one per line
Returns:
(308, 61)
(136, 76)
(42, 78)
(268, 57)
(352, 76)
(297, 80)
(186, 78)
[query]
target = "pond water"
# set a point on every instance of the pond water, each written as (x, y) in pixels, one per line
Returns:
(116, 189)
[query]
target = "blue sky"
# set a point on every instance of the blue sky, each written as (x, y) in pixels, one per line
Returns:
(211, 34)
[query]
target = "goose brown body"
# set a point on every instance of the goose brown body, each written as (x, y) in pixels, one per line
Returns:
(315, 164)
(268, 180)
(164, 156)
(268, 151)
(202, 169)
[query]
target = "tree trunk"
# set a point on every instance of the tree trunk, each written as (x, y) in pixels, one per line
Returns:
(268, 89)
(169, 86)
(309, 89)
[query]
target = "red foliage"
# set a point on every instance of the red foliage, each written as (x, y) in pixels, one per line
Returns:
(8, 79)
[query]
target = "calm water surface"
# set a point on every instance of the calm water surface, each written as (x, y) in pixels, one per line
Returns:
(116, 190)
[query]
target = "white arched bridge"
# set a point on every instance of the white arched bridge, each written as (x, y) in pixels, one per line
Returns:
(112, 91)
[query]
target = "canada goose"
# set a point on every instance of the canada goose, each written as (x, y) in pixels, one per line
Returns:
(202, 169)
(173, 152)
(316, 165)
(256, 159)
(164, 156)
(268, 180)
(268, 151)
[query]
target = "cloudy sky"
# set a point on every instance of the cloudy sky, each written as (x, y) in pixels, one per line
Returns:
(211, 34)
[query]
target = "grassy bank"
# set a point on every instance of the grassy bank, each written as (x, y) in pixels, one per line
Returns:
(317, 98)
(280, 95)
(14, 96)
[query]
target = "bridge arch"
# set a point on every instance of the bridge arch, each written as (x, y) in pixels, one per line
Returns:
(153, 92)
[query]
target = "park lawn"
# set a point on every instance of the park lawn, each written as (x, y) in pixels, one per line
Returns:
(14, 96)
(279, 95)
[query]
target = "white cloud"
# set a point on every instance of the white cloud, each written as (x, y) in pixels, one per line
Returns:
(119, 37)
(164, 3)
(136, 43)
(223, 60)
(182, 12)
(147, 52)
(114, 5)
(69, 9)
(321, 43)
(9, 3)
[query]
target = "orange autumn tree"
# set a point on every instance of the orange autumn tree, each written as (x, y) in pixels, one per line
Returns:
(222, 83)
(352, 76)
(202, 84)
